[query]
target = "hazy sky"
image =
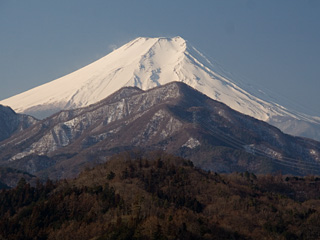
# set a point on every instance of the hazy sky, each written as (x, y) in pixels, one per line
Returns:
(273, 44)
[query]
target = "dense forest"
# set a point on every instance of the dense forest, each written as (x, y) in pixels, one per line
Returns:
(160, 196)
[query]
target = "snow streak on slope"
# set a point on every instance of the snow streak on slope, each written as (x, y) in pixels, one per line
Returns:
(145, 63)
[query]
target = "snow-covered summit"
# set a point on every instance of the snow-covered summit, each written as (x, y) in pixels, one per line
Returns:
(145, 63)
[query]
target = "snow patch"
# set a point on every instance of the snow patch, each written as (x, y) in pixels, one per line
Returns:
(262, 150)
(315, 154)
(192, 143)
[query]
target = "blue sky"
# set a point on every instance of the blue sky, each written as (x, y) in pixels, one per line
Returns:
(271, 44)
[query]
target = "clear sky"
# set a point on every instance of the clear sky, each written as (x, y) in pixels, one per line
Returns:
(273, 44)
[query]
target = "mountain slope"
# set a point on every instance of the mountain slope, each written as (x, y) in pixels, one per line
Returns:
(173, 117)
(11, 123)
(150, 62)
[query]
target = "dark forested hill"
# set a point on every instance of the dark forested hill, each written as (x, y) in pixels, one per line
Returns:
(159, 196)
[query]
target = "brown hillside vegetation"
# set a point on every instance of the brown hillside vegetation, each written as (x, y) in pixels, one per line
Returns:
(159, 196)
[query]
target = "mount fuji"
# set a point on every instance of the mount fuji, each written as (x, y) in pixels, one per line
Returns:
(150, 62)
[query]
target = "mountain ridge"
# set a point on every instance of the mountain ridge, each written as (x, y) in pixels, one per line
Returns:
(173, 117)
